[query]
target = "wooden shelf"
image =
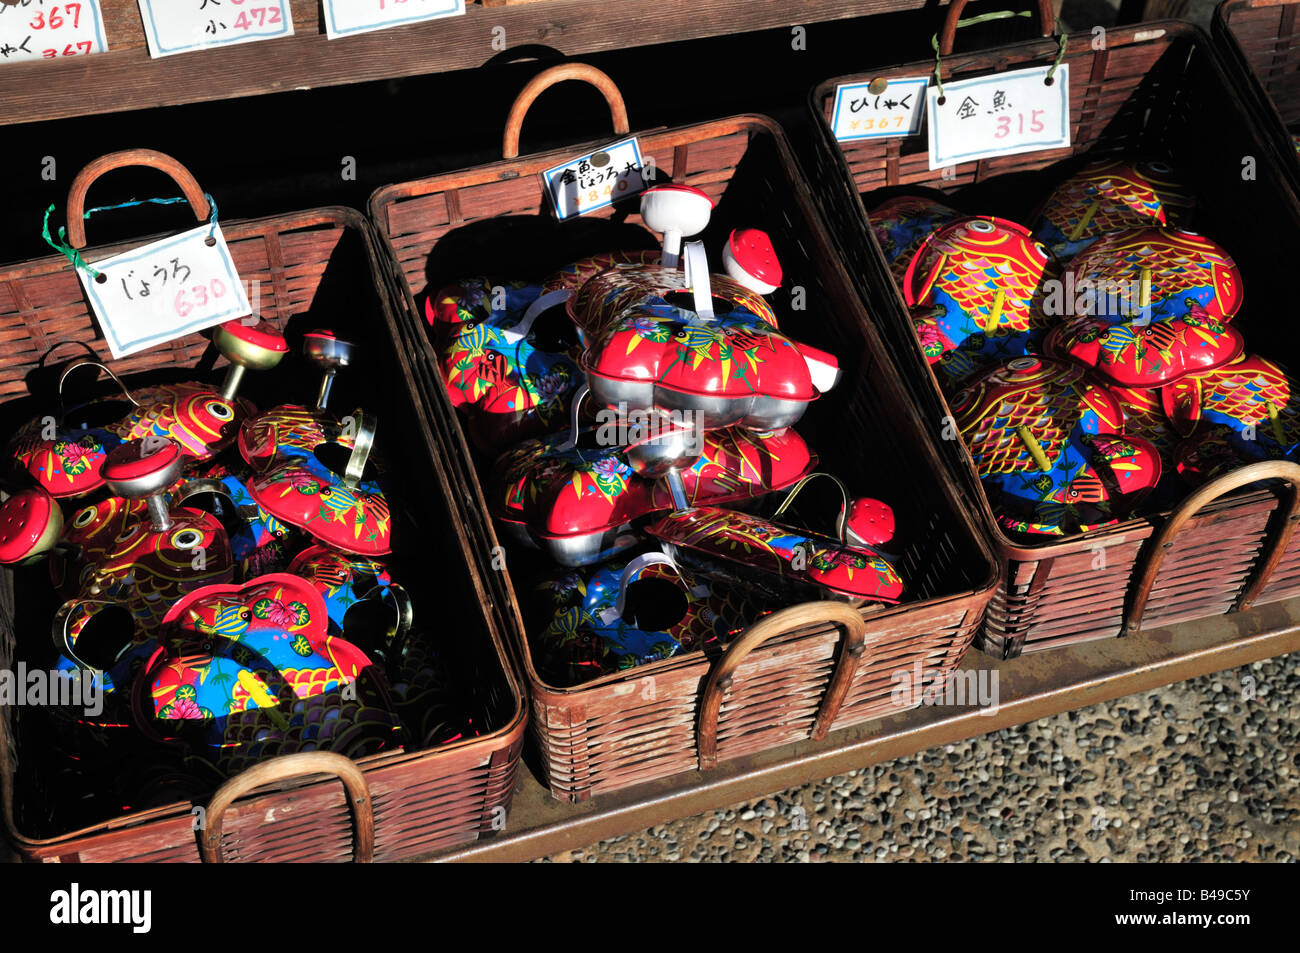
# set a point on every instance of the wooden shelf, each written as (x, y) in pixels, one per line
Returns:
(1030, 687)
(127, 78)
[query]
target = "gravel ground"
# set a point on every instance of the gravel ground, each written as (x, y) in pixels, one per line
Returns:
(1207, 769)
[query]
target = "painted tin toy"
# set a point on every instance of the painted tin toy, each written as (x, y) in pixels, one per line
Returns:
(976, 290)
(579, 501)
(1111, 196)
(903, 223)
(1050, 447)
(1235, 414)
(508, 384)
(255, 670)
(629, 613)
(344, 581)
(1154, 274)
(342, 511)
(649, 348)
(784, 561)
(1146, 355)
(158, 554)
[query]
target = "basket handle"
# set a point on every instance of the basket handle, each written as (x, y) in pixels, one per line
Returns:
(1274, 546)
(952, 20)
(288, 767)
(778, 623)
(121, 160)
(548, 78)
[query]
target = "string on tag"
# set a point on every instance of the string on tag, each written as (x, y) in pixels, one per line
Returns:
(73, 255)
(985, 18)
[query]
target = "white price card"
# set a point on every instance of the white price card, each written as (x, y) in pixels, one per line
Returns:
(879, 108)
(999, 115)
(597, 179)
(182, 26)
(345, 17)
(42, 29)
(165, 290)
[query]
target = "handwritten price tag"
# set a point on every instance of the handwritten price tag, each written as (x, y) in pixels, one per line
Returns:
(345, 17)
(597, 179)
(182, 26)
(42, 30)
(999, 115)
(879, 108)
(165, 290)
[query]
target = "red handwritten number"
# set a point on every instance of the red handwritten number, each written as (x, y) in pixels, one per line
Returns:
(198, 296)
(263, 15)
(1004, 124)
(55, 19)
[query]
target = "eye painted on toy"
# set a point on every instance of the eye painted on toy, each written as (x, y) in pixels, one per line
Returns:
(221, 410)
(128, 533)
(985, 227)
(186, 538)
(84, 518)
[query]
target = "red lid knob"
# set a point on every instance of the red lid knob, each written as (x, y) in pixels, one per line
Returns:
(259, 333)
(141, 467)
(871, 522)
(30, 522)
(752, 250)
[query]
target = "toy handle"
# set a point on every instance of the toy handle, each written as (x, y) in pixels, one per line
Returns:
(778, 624)
(575, 414)
(403, 608)
(548, 78)
(292, 767)
(842, 524)
(121, 160)
(952, 20)
(103, 367)
(1270, 554)
(632, 569)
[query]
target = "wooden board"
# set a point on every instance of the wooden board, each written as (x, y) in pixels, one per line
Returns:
(126, 78)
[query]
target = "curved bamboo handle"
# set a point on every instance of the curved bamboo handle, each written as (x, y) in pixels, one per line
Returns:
(121, 160)
(548, 78)
(1274, 546)
(284, 768)
(948, 33)
(808, 613)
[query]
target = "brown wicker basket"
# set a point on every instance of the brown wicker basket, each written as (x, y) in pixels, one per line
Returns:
(314, 269)
(1148, 92)
(1256, 39)
(792, 675)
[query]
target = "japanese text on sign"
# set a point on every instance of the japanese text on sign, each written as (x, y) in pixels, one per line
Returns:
(345, 17)
(999, 115)
(41, 29)
(165, 290)
(181, 26)
(878, 108)
(593, 181)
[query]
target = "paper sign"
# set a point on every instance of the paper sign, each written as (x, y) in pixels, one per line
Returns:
(182, 26)
(999, 115)
(879, 108)
(165, 290)
(595, 180)
(345, 17)
(40, 29)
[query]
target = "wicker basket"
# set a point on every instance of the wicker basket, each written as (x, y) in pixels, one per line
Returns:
(314, 269)
(794, 674)
(1147, 93)
(1256, 39)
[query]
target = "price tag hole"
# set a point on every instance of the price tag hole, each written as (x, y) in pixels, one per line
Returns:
(941, 100)
(210, 241)
(1049, 81)
(101, 279)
